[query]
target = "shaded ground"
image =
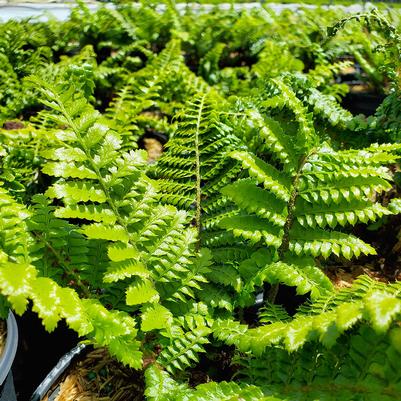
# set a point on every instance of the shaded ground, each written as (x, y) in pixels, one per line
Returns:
(385, 266)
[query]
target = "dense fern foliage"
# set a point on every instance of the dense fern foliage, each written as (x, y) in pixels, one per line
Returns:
(210, 265)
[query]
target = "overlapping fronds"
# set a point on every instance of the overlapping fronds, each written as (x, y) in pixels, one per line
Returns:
(105, 189)
(20, 282)
(324, 320)
(301, 193)
(359, 367)
(161, 387)
(207, 267)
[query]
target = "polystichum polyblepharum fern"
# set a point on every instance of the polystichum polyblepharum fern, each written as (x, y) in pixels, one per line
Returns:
(258, 189)
(295, 201)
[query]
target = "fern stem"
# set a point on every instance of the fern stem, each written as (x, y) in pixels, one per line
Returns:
(288, 222)
(96, 170)
(271, 296)
(198, 222)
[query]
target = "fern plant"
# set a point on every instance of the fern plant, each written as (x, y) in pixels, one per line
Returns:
(124, 250)
(20, 282)
(150, 96)
(258, 188)
(193, 169)
(297, 197)
(334, 354)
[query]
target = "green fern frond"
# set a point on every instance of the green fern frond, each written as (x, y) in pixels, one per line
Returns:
(265, 174)
(149, 243)
(253, 228)
(356, 368)
(15, 240)
(170, 390)
(60, 244)
(271, 313)
(183, 352)
(295, 208)
(255, 200)
(196, 155)
(378, 307)
(20, 283)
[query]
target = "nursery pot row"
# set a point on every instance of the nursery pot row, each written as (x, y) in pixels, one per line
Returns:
(7, 390)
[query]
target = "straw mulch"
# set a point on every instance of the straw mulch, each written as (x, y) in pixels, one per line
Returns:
(98, 377)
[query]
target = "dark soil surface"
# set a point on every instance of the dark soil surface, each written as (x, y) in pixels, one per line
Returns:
(385, 266)
(362, 103)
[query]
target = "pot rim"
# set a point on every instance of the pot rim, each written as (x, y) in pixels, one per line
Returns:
(10, 349)
(61, 366)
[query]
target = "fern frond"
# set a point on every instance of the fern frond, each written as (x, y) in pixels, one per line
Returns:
(265, 174)
(148, 243)
(295, 208)
(342, 213)
(319, 242)
(196, 155)
(253, 228)
(379, 308)
(15, 240)
(217, 296)
(76, 192)
(301, 273)
(362, 366)
(170, 390)
(20, 283)
(255, 200)
(296, 271)
(62, 250)
(337, 189)
(183, 352)
(271, 313)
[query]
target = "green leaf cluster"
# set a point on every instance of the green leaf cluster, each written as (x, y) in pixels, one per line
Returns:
(179, 264)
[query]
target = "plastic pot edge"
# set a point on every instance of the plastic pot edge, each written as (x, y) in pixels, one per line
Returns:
(7, 358)
(61, 366)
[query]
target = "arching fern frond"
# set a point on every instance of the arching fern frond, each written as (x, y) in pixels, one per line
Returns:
(170, 390)
(366, 301)
(20, 283)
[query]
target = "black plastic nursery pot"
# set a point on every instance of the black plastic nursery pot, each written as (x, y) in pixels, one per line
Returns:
(49, 387)
(7, 390)
(88, 372)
